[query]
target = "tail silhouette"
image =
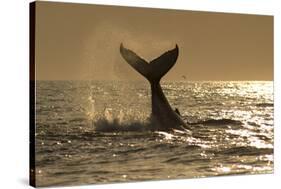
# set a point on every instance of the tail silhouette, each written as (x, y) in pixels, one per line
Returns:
(155, 69)
(164, 115)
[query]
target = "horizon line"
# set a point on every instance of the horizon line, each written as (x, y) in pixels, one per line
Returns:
(134, 80)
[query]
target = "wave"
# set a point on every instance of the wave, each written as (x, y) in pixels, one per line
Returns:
(124, 123)
(217, 122)
(116, 125)
(265, 105)
(247, 150)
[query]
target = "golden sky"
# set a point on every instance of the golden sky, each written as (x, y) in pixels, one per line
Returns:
(81, 41)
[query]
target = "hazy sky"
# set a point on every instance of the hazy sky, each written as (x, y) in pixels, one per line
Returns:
(80, 41)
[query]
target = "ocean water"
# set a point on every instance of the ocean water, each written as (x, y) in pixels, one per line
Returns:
(94, 132)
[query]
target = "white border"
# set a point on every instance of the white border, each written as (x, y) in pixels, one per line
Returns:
(14, 91)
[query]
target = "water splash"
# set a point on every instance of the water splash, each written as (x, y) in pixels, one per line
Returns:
(92, 111)
(108, 115)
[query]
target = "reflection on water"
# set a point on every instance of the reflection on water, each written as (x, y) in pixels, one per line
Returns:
(98, 132)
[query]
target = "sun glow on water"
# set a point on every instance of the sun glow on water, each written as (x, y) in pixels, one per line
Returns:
(96, 125)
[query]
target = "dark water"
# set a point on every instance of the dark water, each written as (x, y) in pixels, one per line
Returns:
(98, 132)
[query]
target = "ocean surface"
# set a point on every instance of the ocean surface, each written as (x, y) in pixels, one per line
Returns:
(94, 132)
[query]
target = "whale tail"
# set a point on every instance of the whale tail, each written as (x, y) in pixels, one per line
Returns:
(155, 69)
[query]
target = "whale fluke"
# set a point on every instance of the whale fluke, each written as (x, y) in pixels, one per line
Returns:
(155, 69)
(165, 117)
